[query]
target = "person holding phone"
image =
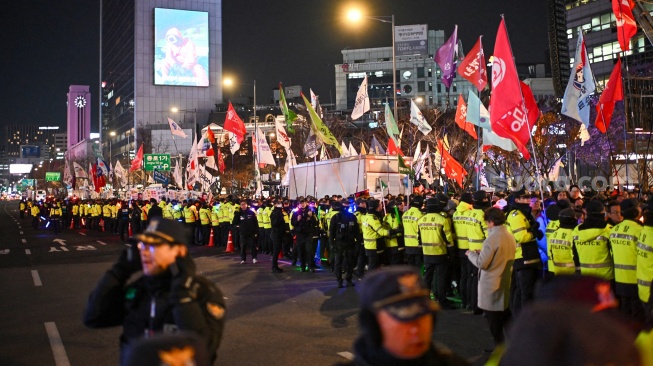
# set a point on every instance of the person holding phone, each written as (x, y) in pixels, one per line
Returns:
(169, 296)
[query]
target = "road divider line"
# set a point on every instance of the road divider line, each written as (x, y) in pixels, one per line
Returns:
(24, 241)
(58, 350)
(21, 233)
(36, 278)
(28, 252)
(81, 233)
(101, 242)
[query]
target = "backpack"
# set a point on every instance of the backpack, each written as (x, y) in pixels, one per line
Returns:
(346, 229)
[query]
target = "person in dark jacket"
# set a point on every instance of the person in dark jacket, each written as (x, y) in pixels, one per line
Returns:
(343, 234)
(397, 321)
(302, 224)
(246, 220)
(123, 221)
(279, 230)
(169, 297)
(155, 210)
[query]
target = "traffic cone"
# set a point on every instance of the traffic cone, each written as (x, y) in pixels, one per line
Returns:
(280, 256)
(130, 230)
(211, 244)
(72, 224)
(230, 244)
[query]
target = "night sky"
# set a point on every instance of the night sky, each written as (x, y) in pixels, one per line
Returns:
(49, 45)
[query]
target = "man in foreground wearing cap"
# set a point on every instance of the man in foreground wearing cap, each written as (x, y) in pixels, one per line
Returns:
(169, 297)
(396, 318)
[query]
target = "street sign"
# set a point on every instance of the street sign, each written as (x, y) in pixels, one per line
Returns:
(52, 176)
(156, 161)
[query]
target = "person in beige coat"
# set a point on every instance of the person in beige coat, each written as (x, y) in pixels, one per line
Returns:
(494, 262)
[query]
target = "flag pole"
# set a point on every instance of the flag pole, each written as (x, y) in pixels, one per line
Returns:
(530, 130)
(626, 109)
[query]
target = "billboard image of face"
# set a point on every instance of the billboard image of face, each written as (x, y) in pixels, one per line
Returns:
(181, 47)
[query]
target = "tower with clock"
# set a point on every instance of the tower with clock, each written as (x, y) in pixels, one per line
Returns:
(79, 114)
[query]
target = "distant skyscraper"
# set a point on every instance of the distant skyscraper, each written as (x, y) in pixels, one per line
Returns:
(79, 114)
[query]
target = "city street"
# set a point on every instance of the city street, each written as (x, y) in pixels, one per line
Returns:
(272, 319)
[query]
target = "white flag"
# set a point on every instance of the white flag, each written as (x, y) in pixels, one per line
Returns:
(362, 101)
(263, 152)
(234, 144)
(323, 154)
(492, 139)
(177, 176)
(282, 137)
(290, 163)
(175, 129)
(575, 103)
(192, 167)
(417, 118)
(79, 171)
(418, 151)
(584, 134)
(352, 151)
(554, 173)
(345, 150)
(121, 174)
(316, 104)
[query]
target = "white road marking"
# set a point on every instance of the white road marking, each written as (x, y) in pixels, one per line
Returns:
(36, 278)
(4, 251)
(81, 233)
(58, 350)
(346, 354)
(24, 241)
(101, 242)
(21, 233)
(28, 252)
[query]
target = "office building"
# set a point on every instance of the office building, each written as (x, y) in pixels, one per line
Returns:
(143, 79)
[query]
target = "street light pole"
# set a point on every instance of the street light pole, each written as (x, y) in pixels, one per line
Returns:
(255, 151)
(394, 70)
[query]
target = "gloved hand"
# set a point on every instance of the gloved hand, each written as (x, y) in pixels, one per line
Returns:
(535, 225)
(538, 234)
(393, 232)
(182, 288)
(128, 263)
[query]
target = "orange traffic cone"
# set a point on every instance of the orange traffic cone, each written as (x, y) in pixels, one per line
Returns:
(130, 230)
(280, 256)
(72, 224)
(211, 244)
(230, 244)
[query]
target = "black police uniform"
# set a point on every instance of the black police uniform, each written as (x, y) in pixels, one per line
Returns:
(343, 235)
(176, 300)
(248, 228)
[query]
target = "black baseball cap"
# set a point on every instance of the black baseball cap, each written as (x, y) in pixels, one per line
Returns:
(162, 231)
(400, 291)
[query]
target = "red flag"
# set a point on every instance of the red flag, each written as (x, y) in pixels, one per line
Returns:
(138, 160)
(461, 117)
(472, 67)
(233, 123)
(99, 180)
(452, 168)
(393, 149)
(221, 165)
(531, 104)
(626, 26)
(210, 135)
(507, 109)
(613, 92)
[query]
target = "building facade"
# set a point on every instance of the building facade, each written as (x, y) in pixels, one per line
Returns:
(418, 76)
(159, 59)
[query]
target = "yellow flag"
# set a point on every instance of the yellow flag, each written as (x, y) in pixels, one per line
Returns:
(321, 130)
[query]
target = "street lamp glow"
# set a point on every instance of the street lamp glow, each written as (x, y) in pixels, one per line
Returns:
(228, 82)
(174, 109)
(112, 133)
(354, 15)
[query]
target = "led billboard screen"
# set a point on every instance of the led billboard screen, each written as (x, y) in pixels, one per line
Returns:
(181, 47)
(20, 168)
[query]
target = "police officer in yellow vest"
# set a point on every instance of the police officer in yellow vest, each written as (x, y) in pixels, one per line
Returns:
(436, 234)
(107, 216)
(215, 222)
(413, 248)
(55, 217)
(374, 231)
(623, 242)
(559, 244)
(205, 222)
(96, 212)
(591, 243)
(528, 263)
(460, 223)
(76, 215)
(394, 245)
(267, 227)
(190, 217)
(551, 216)
(225, 221)
(645, 262)
(476, 231)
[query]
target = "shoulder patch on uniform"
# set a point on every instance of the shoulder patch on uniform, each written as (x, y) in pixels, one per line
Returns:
(215, 310)
(515, 212)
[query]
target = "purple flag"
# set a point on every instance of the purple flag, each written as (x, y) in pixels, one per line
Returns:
(444, 57)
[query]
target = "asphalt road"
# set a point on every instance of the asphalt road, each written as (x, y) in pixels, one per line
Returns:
(272, 319)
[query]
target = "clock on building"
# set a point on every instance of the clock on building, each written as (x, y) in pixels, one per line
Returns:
(80, 102)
